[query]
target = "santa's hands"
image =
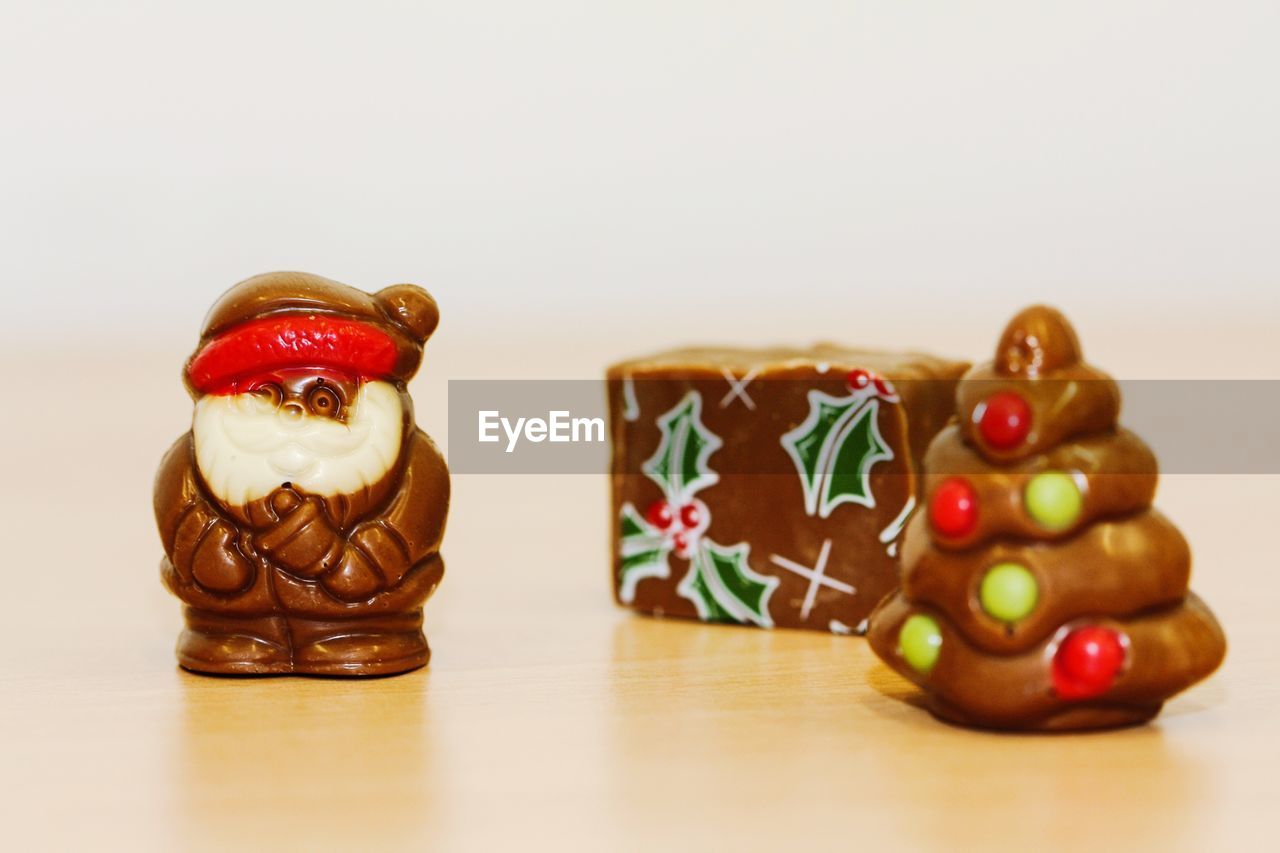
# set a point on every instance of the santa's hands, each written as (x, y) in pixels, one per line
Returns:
(303, 540)
(216, 563)
(284, 501)
(373, 561)
(355, 578)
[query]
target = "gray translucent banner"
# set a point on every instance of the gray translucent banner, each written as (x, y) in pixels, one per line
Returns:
(565, 427)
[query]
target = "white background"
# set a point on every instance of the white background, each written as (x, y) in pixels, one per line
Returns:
(649, 173)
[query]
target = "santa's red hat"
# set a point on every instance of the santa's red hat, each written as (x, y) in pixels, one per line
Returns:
(287, 320)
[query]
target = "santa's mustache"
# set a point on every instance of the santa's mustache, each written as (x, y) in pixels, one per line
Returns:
(258, 426)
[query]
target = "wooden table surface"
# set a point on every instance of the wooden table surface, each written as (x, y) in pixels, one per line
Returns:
(548, 718)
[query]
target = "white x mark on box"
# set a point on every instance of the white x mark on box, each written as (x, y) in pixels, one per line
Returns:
(738, 389)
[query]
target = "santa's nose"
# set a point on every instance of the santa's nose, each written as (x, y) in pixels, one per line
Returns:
(293, 410)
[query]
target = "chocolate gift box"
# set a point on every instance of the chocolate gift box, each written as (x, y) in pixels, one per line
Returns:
(768, 487)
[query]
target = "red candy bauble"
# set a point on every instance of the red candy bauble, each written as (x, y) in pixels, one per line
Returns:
(659, 515)
(1087, 662)
(689, 516)
(858, 379)
(1006, 420)
(953, 511)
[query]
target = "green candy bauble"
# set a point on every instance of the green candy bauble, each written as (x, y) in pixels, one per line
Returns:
(1053, 499)
(920, 641)
(1008, 592)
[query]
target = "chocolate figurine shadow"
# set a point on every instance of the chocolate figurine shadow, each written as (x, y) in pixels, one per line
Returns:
(320, 760)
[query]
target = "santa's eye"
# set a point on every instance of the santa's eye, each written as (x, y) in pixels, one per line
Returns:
(270, 393)
(324, 401)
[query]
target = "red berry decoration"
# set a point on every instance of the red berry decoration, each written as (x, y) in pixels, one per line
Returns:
(859, 379)
(681, 542)
(659, 515)
(953, 511)
(1087, 662)
(884, 387)
(1005, 421)
(689, 516)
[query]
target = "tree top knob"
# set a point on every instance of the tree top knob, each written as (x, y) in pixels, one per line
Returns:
(1037, 341)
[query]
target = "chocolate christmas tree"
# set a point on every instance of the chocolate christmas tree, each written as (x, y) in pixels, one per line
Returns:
(1040, 590)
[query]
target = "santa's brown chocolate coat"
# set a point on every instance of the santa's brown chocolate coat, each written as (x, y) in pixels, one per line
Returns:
(387, 547)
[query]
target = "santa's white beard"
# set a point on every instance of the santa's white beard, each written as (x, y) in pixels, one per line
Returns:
(246, 448)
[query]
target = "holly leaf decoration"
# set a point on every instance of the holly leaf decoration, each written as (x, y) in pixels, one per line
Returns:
(724, 588)
(645, 553)
(679, 465)
(834, 449)
(720, 583)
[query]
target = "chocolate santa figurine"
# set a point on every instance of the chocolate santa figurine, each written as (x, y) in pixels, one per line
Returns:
(301, 516)
(1040, 590)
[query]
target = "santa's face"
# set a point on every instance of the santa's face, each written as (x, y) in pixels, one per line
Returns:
(321, 433)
